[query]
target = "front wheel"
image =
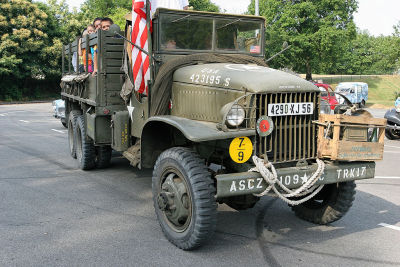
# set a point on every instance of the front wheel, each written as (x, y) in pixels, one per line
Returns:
(183, 196)
(392, 134)
(329, 205)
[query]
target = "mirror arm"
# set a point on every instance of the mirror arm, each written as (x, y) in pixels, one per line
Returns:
(277, 54)
(138, 47)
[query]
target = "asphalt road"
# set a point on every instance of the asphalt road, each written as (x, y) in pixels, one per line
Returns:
(53, 214)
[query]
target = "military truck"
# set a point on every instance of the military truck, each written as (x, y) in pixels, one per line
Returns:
(216, 124)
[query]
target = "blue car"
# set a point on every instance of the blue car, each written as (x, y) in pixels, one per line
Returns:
(356, 92)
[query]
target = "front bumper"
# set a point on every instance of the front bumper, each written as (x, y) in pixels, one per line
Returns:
(244, 183)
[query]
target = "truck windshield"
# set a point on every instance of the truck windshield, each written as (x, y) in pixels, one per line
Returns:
(238, 35)
(192, 32)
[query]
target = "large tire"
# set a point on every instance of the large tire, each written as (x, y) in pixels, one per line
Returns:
(329, 205)
(103, 156)
(85, 150)
(73, 115)
(184, 201)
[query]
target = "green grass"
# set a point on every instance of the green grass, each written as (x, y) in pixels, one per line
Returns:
(381, 88)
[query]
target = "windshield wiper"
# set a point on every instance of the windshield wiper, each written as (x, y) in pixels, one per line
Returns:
(229, 23)
(176, 20)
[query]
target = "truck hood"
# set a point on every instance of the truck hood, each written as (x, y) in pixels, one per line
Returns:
(244, 77)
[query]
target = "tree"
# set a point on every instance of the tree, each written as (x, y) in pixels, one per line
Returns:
(368, 54)
(358, 57)
(317, 30)
(105, 8)
(396, 35)
(204, 5)
(69, 24)
(28, 51)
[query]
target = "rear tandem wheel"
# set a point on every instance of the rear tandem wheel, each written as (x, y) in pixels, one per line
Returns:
(85, 150)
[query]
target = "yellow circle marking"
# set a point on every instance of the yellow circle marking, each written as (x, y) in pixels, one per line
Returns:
(241, 149)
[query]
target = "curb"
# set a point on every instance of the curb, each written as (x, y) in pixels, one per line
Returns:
(25, 102)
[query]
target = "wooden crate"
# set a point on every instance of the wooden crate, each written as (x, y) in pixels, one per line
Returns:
(335, 146)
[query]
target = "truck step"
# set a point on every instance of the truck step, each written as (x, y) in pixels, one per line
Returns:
(133, 154)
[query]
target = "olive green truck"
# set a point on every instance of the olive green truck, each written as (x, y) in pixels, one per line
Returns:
(216, 124)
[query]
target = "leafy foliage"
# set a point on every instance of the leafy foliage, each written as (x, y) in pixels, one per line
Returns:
(116, 10)
(322, 34)
(29, 48)
(204, 5)
(371, 55)
(317, 30)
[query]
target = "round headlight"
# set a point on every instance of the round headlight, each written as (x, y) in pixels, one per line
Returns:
(236, 115)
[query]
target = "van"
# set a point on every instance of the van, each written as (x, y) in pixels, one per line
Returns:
(356, 92)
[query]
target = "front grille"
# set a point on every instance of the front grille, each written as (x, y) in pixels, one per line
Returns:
(295, 136)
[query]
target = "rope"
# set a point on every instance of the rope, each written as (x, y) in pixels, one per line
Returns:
(268, 172)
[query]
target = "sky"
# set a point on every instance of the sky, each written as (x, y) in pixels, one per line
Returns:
(376, 16)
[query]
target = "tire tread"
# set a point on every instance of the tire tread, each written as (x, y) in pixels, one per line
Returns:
(202, 196)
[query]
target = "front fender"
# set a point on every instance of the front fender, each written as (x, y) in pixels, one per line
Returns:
(163, 132)
(198, 131)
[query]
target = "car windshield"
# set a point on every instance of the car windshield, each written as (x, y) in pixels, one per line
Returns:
(192, 32)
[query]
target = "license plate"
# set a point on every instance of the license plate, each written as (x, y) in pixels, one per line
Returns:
(290, 109)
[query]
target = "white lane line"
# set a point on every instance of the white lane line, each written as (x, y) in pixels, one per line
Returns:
(59, 131)
(387, 177)
(23, 121)
(392, 152)
(2, 115)
(390, 226)
(385, 145)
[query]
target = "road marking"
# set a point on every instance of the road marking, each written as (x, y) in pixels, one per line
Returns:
(59, 131)
(387, 177)
(390, 226)
(23, 121)
(392, 146)
(2, 115)
(393, 152)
